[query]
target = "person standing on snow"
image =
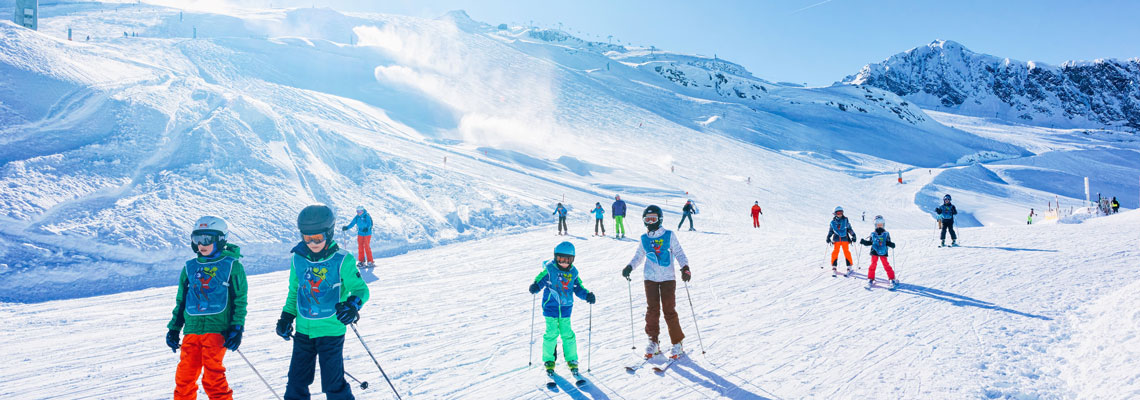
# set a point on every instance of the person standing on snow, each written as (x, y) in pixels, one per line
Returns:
(560, 282)
(880, 241)
(326, 292)
(618, 212)
(599, 215)
(363, 223)
(561, 212)
(212, 314)
(687, 212)
(756, 212)
(1030, 220)
(659, 249)
(946, 213)
(1115, 205)
(840, 234)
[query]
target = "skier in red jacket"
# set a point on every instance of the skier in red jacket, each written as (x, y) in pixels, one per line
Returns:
(756, 215)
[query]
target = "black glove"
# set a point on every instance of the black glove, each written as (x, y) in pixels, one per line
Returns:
(626, 271)
(685, 274)
(829, 240)
(891, 244)
(346, 311)
(344, 228)
(233, 337)
(590, 298)
(285, 325)
(172, 340)
(534, 288)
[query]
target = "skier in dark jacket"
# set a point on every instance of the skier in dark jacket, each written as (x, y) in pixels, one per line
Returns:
(1115, 205)
(840, 235)
(880, 242)
(618, 215)
(687, 212)
(947, 212)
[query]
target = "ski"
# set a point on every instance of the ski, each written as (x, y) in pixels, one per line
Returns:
(635, 367)
(550, 383)
(660, 369)
(578, 379)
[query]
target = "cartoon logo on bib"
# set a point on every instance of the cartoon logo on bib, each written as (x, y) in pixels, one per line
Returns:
(204, 276)
(657, 246)
(315, 276)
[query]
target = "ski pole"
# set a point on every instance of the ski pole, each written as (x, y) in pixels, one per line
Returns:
(374, 360)
(702, 342)
(258, 374)
(530, 357)
(363, 385)
(632, 341)
(590, 339)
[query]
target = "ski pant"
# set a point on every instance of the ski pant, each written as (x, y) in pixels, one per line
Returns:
(846, 253)
(598, 224)
(686, 215)
(556, 327)
(562, 225)
(202, 352)
(364, 248)
(662, 296)
(306, 350)
(886, 265)
(755, 220)
(948, 225)
(619, 226)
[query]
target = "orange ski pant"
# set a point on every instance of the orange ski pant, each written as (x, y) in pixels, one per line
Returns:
(202, 352)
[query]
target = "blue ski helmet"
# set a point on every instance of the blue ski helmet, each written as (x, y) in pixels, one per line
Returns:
(837, 209)
(946, 198)
(564, 249)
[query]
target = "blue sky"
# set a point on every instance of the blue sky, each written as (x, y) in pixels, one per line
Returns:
(813, 41)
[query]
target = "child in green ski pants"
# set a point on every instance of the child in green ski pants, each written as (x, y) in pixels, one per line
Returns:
(560, 279)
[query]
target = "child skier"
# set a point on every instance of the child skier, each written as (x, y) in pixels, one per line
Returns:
(599, 215)
(363, 223)
(879, 241)
(560, 283)
(756, 213)
(561, 211)
(658, 248)
(212, 314)
(840, 234)
(326, 292)
(618, 213)
(946, 213)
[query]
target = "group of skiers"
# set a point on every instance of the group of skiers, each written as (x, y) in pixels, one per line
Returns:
(326, 293)
(840, 234)
(618, 214)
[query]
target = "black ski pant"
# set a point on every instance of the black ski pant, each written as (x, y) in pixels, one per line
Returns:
(306, 350)
(690, 217)
(562, 225)
(948, 225)
(598, 224)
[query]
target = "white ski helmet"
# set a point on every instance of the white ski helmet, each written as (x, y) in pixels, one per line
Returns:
(880, 221)
(359, 208)
(211, 224)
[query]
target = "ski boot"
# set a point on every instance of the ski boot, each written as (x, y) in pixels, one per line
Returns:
(359, 264)
(573, 367)
(676, 351)
(549, 367)
(954, 243)
(894, 284)
(848, 273)
(652, 349)
(370, 265)
(943, 243)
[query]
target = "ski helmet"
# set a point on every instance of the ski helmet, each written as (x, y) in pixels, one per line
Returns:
(564, 249)
(317, 218)
(946, 198)
(880, 221)
(656, 211)
(359, 209)
(837, 210)
(209, 230)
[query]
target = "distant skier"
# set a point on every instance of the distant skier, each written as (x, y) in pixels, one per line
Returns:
(618, 212)
(880, 241)
(363, 223)
(560, 282)
(756, 212)
(213, 314)
(840, 235)
(561, 212)
(687, 212)
(1030, 220)
(326, 292)
(1115, 205)
(863, 217)
(946, 213)
(599, 216)
(658, 248)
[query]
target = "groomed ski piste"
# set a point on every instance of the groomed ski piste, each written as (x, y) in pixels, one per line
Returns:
(104, 169)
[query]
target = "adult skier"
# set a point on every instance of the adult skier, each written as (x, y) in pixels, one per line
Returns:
(839, 235)
(659, 248)
(618, 213)
(326, 292)
(559, 282)
(687, 212)
(210, 309)
(880, 241)
(599, 215)
(363, 223)
(561, 212)
(756, 212)
(1030, 220)
(946, 213)
(1115, 205)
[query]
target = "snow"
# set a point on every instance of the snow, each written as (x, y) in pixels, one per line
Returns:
(460, 137)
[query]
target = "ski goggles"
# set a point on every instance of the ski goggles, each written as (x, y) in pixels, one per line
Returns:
(314, 239)
(563, 259)
(203, 239)
(651, 219)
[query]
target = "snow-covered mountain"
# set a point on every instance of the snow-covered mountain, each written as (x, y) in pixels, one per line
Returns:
(946, 76)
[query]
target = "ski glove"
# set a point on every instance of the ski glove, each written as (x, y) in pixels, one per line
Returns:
(344, 228)
(590, 298)
(346, 311)
(172, 340)
(233, 337)
(285, 325)
(534, 288)
(626, 271)
(685, 274)
(829, 240)
(891, 244)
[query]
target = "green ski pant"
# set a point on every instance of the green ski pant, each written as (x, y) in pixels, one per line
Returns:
(619, 228)
(556, 327)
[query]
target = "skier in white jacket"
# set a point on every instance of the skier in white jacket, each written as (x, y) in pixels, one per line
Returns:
(658, 249)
